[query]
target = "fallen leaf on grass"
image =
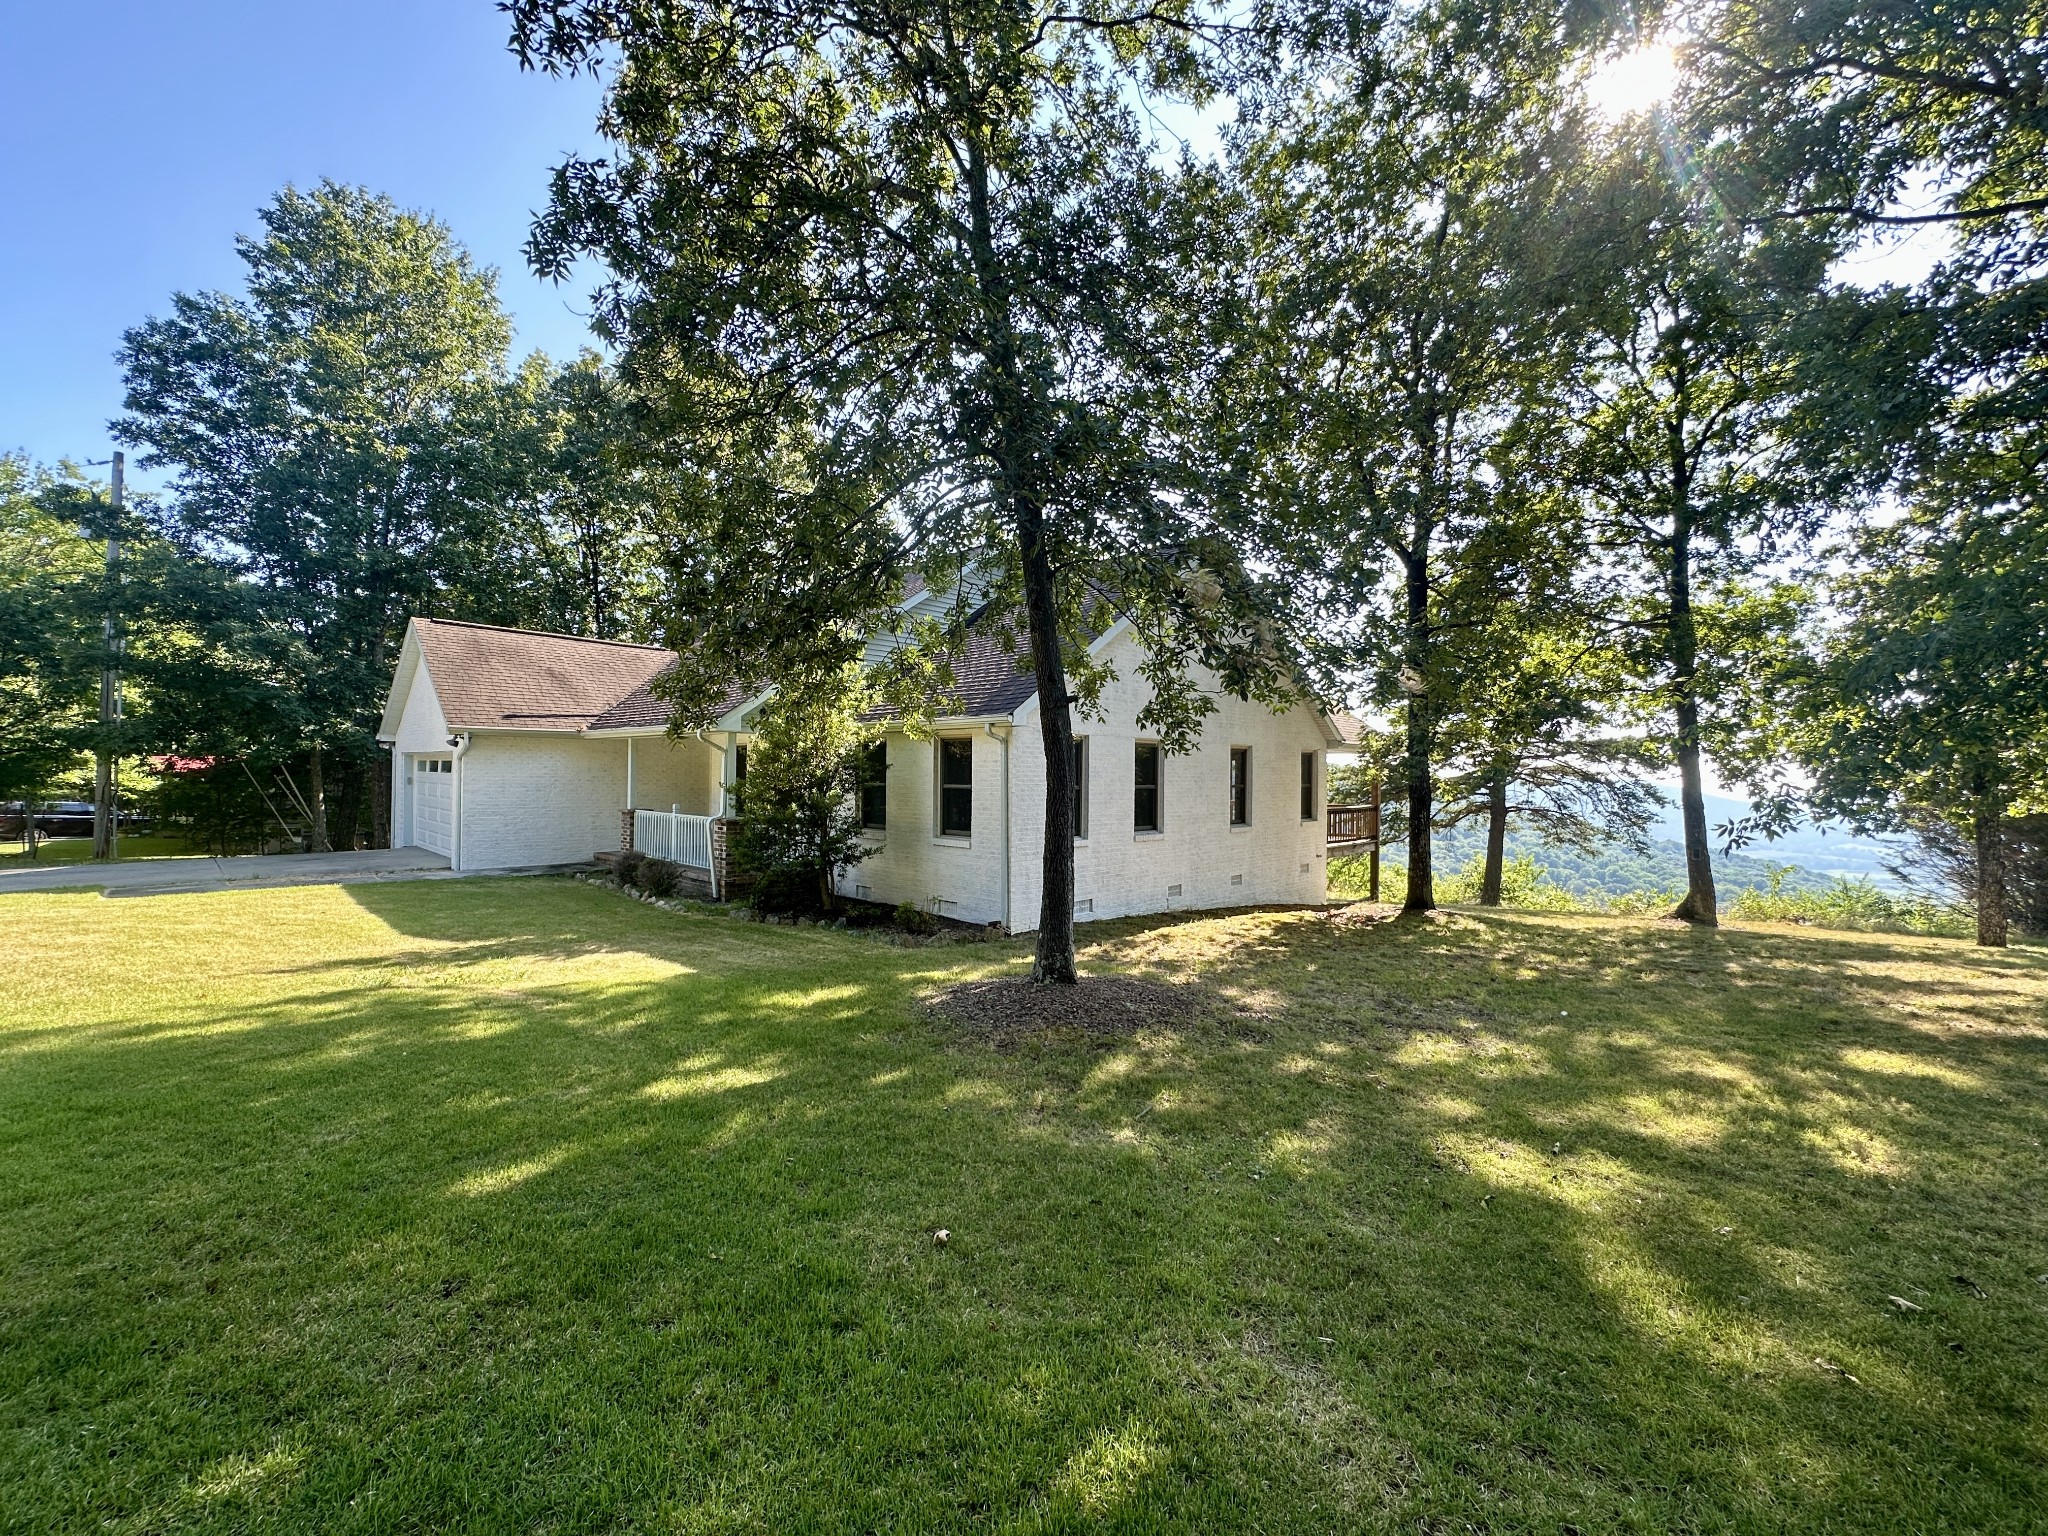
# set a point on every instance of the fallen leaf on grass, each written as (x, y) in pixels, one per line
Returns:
(1830, 1366)
(1904, 1305)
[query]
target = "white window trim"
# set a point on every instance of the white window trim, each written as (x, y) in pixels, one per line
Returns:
(1087, 815)
(1230, 789)
(1140, 834)
(940, 837)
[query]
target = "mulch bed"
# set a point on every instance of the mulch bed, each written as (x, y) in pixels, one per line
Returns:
(1012, 1008)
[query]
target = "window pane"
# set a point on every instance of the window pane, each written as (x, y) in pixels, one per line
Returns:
(874, 786)
(1145, 779)
(1240, 786)
(1309, 761)
(956, 786)
(1080, 786)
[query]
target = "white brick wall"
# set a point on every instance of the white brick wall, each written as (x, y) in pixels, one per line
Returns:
(958, 877)
(1278, 858)
(538, 797)
(670, 773)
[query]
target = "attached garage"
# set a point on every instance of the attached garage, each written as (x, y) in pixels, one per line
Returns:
(433, 804)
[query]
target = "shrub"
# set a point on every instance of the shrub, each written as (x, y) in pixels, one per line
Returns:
(912, 918)
(660, 878)
(1857, 905)
(800, 822)
(785, 888)
(1522, 884)
(628, 866)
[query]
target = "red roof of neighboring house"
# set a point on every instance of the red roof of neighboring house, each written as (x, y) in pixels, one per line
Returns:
(173, 764)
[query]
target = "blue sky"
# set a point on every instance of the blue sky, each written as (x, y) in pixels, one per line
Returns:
(138, 139)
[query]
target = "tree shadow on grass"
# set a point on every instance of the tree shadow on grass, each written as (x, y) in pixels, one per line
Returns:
(1737, 1146)
(648, 1241)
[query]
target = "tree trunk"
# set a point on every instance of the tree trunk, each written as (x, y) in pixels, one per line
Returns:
(1991, 915)
(1421, 894)
(1496, 839)
(1018, 443)
(316, 803)
(378, 778)
(345, 815)
(1054, 960)
(105, 813)
(1700, 904)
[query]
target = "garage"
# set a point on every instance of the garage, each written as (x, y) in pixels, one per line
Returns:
(433, 804)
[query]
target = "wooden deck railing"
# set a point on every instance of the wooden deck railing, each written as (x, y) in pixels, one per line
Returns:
(1353, 823)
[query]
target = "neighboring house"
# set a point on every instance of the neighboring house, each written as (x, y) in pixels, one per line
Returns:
(518, 749)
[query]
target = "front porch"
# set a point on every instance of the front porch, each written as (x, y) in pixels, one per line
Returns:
(700, 846)
(676, 806)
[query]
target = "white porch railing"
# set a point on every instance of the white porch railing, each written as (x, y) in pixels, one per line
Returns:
(679, 839)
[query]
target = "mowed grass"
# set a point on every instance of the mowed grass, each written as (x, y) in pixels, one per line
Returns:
(516, 1206)
(78, 850)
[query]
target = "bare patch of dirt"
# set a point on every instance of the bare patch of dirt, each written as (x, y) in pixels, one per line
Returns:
(1008, 1009)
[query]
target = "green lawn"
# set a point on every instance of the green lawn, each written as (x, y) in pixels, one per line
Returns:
(516, 1206)
(78, 850)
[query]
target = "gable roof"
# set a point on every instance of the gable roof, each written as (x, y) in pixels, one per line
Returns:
(522, 679)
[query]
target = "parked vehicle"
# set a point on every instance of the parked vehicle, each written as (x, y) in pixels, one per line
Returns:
(62, 818)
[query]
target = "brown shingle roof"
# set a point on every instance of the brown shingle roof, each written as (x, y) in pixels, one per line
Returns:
(522, 679)
(642, 709)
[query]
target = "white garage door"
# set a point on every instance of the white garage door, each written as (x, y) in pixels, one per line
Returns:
(433, 804)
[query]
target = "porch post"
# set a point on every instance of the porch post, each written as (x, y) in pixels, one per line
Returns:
(629, 774)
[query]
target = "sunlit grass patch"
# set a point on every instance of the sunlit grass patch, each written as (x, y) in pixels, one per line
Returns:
(516, 1205)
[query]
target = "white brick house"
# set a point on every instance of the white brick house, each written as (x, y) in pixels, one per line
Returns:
(516, 749)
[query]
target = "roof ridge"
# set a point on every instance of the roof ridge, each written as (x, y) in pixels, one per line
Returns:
(552, 634)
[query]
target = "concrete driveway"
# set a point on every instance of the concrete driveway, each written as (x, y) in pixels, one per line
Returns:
(147, 877)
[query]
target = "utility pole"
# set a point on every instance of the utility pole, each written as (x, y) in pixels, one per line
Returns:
(106, 810)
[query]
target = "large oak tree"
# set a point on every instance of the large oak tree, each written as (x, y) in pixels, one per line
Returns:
(888, 280)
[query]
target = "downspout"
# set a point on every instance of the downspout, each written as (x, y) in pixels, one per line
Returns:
(461, 744)
(1004, 740)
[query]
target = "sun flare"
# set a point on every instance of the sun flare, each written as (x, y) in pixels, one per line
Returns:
(1633, 82)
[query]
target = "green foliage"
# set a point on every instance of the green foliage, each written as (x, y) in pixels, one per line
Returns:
(891, 286)
(659, 878)
(348, 450)
(1402, 312)
(799, 803)
(912, 918)
(1929, 693)
(1524, 884)
(219, 808)
(629, 865)
(1852, 904)
(50, 646)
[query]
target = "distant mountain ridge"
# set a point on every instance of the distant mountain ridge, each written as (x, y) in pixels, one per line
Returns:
(1816, 856)
(1828, 849)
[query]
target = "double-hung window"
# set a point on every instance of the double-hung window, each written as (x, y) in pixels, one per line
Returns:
(1145, 788)
(874, 787)
(1080, 788)
(956, 786)
(1240, 786)
(1311, 772)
